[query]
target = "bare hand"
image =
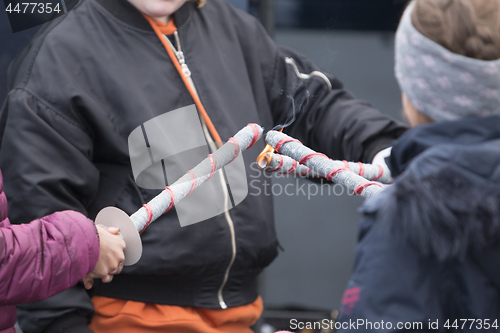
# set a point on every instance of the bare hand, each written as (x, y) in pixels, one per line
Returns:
(111, 256)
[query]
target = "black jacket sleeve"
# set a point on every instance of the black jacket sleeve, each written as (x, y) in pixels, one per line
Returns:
(46, 158)
(320, 111)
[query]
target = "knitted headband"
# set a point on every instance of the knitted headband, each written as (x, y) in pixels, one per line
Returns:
(439, 83)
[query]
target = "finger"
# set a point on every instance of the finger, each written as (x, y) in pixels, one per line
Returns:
(88, 283)
(118, 270)
(108, 278)
(111, 230)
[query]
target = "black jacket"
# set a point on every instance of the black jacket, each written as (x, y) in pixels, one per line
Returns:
(90, 78)
(429, 246)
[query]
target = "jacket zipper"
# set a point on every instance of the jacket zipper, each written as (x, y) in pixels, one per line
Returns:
(187, 73)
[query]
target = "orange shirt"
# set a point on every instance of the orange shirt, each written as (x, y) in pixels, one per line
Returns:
(166, 29)
(117, 315)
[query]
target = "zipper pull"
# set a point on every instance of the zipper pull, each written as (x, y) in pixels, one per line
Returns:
(182, 61)
(185, 70)
(180, 56)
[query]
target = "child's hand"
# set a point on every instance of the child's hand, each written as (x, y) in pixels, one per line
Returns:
(111, 256)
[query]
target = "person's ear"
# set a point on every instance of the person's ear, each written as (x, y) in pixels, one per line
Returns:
(413, 116)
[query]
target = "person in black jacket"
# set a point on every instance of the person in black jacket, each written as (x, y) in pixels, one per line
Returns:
(91, 77)
(428, 257)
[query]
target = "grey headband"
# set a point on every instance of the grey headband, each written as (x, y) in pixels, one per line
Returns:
(442, 84)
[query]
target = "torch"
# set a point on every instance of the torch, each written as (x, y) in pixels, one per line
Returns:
(131, 226)
(363, 179)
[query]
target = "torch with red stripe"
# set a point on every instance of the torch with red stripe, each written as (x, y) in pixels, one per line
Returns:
(131, 226)
(358, 177)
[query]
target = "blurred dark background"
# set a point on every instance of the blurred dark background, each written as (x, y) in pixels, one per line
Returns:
(353, 39)
(331, 14)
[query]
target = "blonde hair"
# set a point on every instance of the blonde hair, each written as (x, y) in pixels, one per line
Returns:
(467, 27)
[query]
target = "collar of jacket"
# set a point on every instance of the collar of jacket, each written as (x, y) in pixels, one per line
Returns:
(465, 131)
(127, 13)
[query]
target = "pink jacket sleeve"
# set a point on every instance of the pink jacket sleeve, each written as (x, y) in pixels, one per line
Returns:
(46, 256)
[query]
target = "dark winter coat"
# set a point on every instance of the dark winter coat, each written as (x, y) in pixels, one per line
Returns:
(429, 246)
(90, 78)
